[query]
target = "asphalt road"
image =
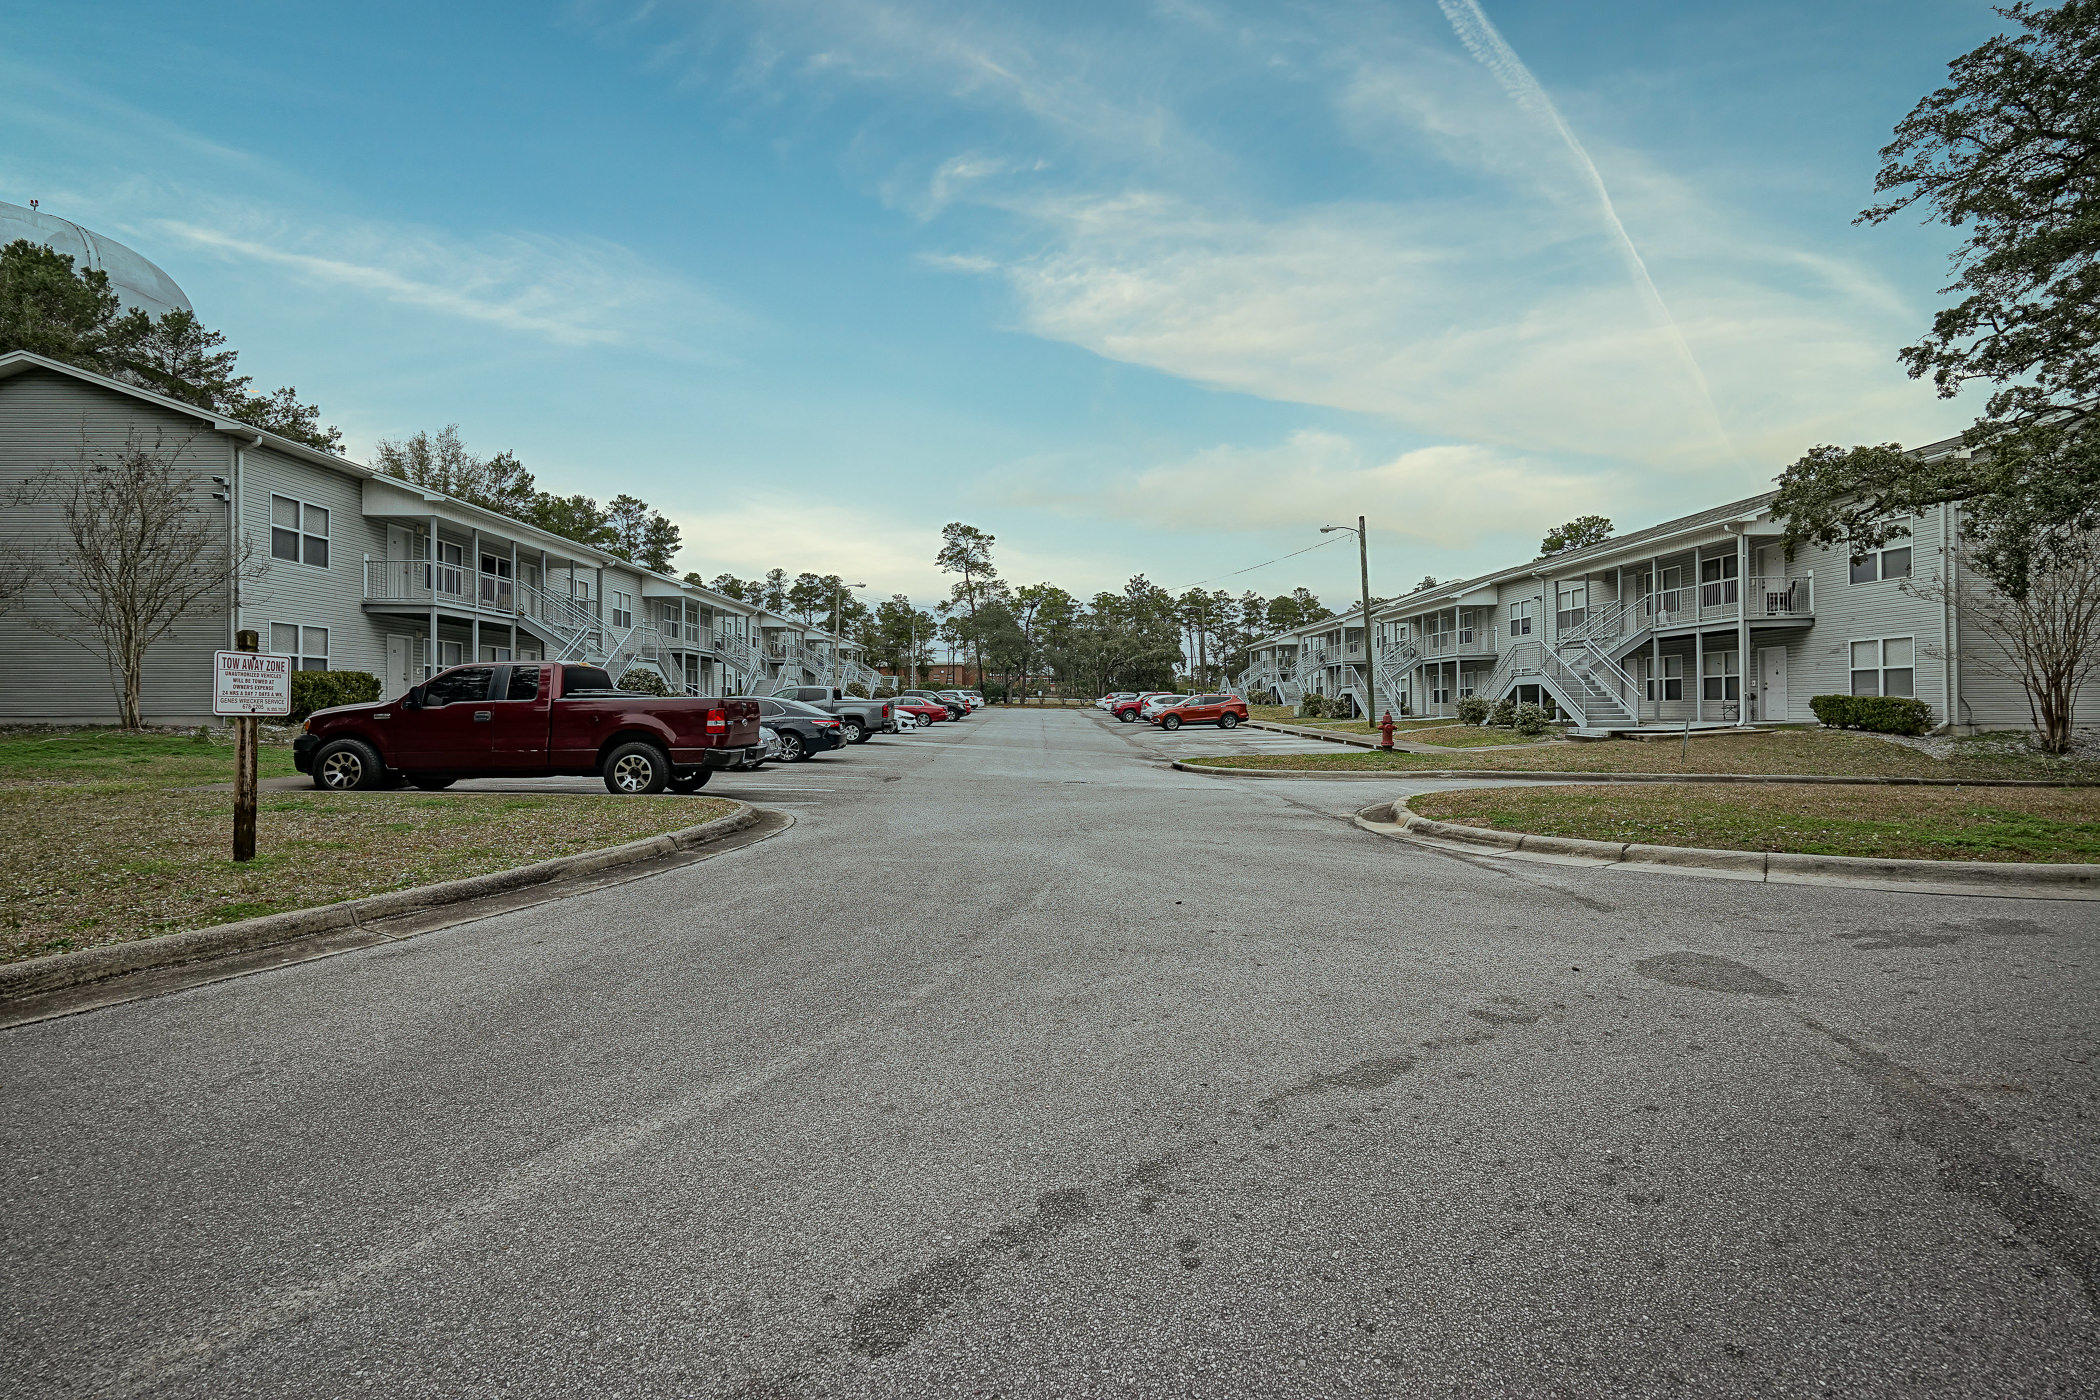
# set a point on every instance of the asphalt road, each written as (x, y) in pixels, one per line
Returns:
(1023, 1065)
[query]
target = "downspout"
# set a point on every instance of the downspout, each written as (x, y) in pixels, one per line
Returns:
(233, 541)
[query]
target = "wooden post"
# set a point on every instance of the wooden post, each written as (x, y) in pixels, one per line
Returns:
(244, 764)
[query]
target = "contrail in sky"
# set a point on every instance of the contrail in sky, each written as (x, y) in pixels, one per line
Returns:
(1486, 44)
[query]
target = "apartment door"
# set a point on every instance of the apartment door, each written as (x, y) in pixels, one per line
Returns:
(400, 664)
(1772, 703)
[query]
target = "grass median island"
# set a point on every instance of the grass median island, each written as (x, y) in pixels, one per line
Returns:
(1779, 751)
(1281, 714)
(113, 837)
(2054, 825)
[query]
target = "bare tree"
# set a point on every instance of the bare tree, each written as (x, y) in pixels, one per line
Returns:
(137, 552)
(2046, 640)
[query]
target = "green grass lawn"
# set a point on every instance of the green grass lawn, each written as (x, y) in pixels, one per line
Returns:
(114, 836)
(2024, 824)
(1281, 714)
(1789, 751)
(1473, 736)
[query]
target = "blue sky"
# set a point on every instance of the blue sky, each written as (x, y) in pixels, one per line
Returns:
(1154, 285)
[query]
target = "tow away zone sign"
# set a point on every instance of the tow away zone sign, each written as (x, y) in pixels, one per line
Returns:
(250, 683)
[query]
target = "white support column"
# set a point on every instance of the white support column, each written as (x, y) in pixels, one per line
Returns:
(1699, 673)
(1742, 630)
(433, 567)
(474, 599)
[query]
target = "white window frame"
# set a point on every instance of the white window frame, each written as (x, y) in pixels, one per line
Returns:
(1523, 617)
(1879, 558)
(303, 537)
(1672, 671)
(622, 607)
(302, 635)
(1723, 667)
(1881, 668)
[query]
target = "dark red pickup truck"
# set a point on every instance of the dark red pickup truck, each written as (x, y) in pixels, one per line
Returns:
(528, 719)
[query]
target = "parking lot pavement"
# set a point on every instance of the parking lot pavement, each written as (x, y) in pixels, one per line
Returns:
(1023, 1064)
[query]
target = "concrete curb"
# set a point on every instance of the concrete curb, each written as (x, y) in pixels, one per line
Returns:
(36, 976)
(1541, 775)
(1360, 741)
(2005, 878)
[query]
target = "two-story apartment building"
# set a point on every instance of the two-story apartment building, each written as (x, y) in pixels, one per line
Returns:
(1703, 620)
(352, 570)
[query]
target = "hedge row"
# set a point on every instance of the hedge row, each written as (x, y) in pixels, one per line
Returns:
(321, 690)
(1884, 714)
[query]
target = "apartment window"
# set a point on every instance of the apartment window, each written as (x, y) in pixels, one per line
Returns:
(1717, 580)
(298, 532)
(1439, 694)
(579, 589)
(1723, 676)
(448, 653)
(622, 609)
(1520, 616)
(1671, 677)
(493, 653)
(1884, 666)
(1573, 605)
(1880, 565)
(307, 646)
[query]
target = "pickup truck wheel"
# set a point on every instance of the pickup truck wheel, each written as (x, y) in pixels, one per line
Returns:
(792, 749)
(691, 782)
(1227, 721)
(433, 784)
(347, 764)
(637, 768)
(856, 732)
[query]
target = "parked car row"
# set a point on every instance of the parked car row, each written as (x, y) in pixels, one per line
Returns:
(1169, 710)
(549, 719)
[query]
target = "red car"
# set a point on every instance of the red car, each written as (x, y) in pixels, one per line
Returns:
(1224, 711)
(1127, 710)
(926, 710)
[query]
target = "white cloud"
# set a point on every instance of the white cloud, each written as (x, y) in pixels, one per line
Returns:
(1448, 496)
(569, 292)
(1490, 277)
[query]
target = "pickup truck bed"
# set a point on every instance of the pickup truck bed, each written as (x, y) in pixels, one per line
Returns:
(527, 719)
(861, 717)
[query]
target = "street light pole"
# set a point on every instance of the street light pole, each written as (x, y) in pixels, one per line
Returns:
(1363, 564)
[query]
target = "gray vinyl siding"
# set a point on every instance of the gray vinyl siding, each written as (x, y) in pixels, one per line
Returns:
(47, 420)
(300, 593)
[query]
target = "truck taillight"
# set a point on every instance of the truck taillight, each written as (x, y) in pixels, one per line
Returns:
(717, 721)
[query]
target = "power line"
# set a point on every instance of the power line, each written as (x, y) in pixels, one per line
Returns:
(1263, 565)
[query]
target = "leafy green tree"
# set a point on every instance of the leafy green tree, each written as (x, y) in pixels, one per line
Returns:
(773, 595)
(1579, 533)
(809, 595)
(639, 532)
(53, 309)
(1295, 609)
(2008, 153)
(967, 551)
(577, 518)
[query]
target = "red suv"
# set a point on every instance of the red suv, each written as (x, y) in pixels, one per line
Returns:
(1127, 710)
(1224, 711)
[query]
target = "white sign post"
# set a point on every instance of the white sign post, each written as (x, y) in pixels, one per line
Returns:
(246, 684)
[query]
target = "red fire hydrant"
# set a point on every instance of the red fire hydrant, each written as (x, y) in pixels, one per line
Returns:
(1385, 731)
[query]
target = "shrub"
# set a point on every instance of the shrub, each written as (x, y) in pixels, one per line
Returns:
(1314, 706)
(321, 690)
(994, 692)
(1530, 719)
(643, 682)
(1472, 709)
(1883, 714)
(1503, 715)
(857, 691)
